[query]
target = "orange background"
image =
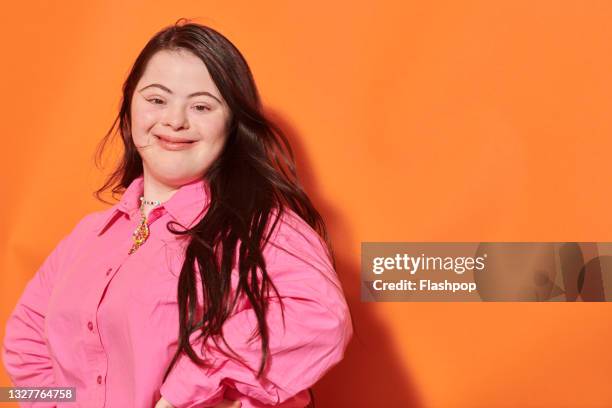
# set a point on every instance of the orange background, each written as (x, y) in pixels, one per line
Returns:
(412, 121)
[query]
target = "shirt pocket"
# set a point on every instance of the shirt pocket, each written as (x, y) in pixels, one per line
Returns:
(157, 283)
(154, 291)
(158, 272)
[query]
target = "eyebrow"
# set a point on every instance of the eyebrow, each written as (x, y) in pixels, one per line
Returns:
(189, 96)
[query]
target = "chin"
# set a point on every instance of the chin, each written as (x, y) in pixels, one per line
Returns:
(176, 179)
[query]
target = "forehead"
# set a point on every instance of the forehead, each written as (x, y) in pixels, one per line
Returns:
(181, 71)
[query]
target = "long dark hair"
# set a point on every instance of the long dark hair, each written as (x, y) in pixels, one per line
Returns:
(250, 184)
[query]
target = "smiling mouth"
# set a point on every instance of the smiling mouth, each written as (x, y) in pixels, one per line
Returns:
(175, 143)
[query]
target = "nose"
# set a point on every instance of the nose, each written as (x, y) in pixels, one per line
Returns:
(175, 117)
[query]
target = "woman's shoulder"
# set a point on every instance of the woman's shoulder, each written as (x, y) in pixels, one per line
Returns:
(79, 234)
(291, 234)
(287, 224)
(89, 223)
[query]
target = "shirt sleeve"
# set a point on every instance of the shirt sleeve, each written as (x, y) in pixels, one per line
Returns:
(313, 339)
(25, 353)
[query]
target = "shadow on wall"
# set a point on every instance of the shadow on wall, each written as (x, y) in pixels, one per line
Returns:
(370, 374)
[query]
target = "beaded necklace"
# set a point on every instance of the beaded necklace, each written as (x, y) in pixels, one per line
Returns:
(141, 233)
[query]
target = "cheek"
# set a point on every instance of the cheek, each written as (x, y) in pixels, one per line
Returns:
(213, 139)
(143, 117)
(214, 129)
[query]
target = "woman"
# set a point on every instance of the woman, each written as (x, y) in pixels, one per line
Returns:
(212, 280)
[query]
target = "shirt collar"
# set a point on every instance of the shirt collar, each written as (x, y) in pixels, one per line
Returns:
(184, 206)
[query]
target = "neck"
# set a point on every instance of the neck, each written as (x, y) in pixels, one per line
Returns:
(154, 190)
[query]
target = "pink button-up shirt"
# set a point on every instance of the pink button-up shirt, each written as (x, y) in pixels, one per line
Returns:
(105, 322)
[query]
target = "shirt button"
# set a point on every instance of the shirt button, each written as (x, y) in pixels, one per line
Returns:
(109, 271)
(90, 326)
(99, 379)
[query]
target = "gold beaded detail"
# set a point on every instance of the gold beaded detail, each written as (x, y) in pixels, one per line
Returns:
(141, 233)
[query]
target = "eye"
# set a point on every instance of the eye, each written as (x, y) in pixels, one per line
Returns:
(202, 108)
(152, 100)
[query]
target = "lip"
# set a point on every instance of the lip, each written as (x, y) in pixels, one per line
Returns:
(172, 143)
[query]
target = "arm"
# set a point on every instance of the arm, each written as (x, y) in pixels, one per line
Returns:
(316, 333)
(24, 351)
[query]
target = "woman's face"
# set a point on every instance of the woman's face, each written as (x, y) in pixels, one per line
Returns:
(177, 100)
